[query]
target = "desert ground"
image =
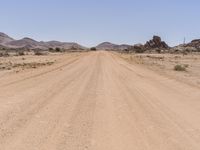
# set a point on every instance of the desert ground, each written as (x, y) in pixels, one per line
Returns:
(164, 64)
(99, 101)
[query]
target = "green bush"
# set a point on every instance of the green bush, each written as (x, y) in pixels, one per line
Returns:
(179, 68)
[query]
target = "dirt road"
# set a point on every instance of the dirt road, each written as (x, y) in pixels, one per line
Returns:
(97, 101)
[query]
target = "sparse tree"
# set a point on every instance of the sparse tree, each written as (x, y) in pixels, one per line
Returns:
(58, 49)
(51, 49)
(93, 49)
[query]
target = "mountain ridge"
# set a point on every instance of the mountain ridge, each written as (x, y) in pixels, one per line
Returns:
(111, 46)
(28, 43)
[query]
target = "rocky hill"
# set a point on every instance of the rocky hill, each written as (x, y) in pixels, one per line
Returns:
(28, 43)
(193, 46)
(5, 38)
(195, 43)
(111, 46)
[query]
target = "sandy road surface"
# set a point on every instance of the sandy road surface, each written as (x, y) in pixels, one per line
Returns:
(97, 101)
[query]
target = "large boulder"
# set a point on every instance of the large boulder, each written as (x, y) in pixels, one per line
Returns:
(156, 42)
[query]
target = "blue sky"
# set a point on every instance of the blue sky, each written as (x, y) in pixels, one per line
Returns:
(90, 22)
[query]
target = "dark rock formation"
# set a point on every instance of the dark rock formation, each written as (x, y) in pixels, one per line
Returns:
(156, 42)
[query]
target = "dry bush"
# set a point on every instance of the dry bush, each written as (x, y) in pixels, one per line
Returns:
(4, 54)
(180, 68)
(93, 49)
(21, 53)
(40, 53)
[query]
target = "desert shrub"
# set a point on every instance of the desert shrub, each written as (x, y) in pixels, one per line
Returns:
(39, 53)
(73, 48)
(93, 49)
(126, 50)
(158, 51)
(139, 50)
(21, 53)
(180, 68)
(51, 49)
(58, 49)
(4, 54)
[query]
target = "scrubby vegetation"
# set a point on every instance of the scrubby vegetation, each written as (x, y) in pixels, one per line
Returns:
(4, 54)
(180, 67)
(39, 53)
(93, 49)
(58, 49)
(51, 50)
(21, 53)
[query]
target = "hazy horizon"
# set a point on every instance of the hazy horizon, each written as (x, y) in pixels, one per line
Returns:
(92, 22)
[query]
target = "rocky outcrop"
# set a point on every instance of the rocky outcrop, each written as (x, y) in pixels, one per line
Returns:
(155, 45)
(156, 42)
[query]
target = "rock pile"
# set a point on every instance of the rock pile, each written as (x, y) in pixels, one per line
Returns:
(154, 45)
(156, 42)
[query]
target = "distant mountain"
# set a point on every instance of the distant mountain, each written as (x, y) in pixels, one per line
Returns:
(28, 43)
(111, 46)
(5, 38)
(64, 45)
(24, 43)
